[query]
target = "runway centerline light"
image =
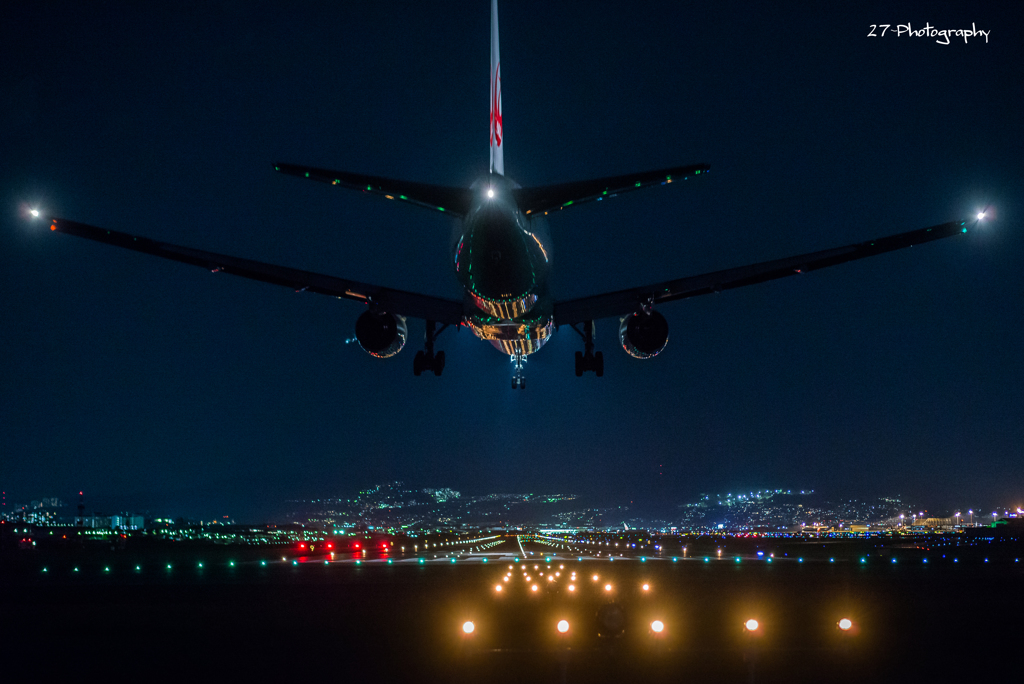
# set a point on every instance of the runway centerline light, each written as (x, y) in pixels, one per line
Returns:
(468, 627)
(751, 625)
(563, 626)
(845, 624)
(657, 626)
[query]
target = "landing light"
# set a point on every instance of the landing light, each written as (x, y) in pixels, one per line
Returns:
(563, 626)
(981, 214)
(657, 626)
(490, 192)
(751, 625)
(468, 627)
(35, 213)
(845, 624)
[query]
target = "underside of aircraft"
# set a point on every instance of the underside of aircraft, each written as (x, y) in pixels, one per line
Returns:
(502, 262)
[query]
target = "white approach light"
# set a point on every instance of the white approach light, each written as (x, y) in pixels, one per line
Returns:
(981, 215)
(34, 212)
(468, 627)
(490, 192)
(751, 625)
(563, 626)
(845, 624)
(657, 626)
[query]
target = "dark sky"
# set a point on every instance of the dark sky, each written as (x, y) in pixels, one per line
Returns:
(155, 385)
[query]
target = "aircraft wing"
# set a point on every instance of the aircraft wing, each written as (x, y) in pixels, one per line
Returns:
(549, 197)
(393, 301)
(629, 301)
(454, 201)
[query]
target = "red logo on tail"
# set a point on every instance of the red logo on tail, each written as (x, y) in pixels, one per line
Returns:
(496, 130)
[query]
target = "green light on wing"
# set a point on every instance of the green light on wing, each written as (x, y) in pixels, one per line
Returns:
(277, 168)
(402, 197)
(697, 173)
(567, 203)
(307, 174)
(637, 184)
(440, 208)
(369, 187)
(605, 192)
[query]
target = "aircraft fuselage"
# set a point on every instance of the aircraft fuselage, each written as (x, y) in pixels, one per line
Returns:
(502, 261)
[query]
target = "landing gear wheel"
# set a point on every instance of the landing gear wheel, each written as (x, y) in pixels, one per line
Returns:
(438, 363)
(599, 364)
(579, 364)
(515, 383)
(522, 383)
(417, 364)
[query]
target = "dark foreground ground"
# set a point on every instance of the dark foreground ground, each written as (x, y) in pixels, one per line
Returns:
(914, 621)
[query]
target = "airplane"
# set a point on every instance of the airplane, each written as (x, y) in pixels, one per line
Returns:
(502, 261)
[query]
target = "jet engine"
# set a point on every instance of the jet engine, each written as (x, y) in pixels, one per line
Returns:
(643, 335)
(381, 334)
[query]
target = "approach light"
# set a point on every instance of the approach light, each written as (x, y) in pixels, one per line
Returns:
(468, 627)
(563, 626)
(490, 192)
(607, 587)
(646, 587)
(751, 625)
(845, 624)
(657, 626)
(594, 578)
(35, 213)
(533, 588)
(497, 587)
(981, 214)
(572, 587)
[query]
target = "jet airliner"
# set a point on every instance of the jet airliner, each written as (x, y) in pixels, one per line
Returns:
(501, 258)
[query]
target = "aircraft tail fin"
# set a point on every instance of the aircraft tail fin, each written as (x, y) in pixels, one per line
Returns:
(497, 131)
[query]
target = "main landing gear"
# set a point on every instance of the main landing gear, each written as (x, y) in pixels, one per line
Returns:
(427, 360)
(588, 360)
(519, 361)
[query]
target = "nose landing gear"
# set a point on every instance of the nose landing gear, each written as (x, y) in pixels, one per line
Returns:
(518, 361)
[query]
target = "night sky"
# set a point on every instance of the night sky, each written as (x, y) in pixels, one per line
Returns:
(156, 386)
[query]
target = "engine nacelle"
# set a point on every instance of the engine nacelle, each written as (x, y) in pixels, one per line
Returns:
(381, 334)
(643, 335)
